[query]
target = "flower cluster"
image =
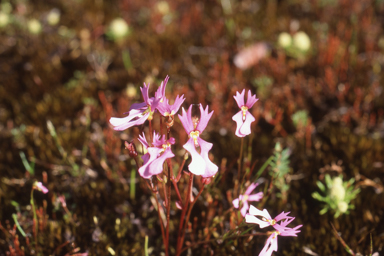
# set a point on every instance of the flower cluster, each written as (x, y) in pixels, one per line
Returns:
(160, 149)
(281, 228)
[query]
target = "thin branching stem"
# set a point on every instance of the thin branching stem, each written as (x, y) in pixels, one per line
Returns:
(162, 226)
(189, 212)
(181, 167)
(184, 211)
(169, 186)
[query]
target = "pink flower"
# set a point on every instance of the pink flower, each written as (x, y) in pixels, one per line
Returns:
(39, 186)
(281, 228)
(157, 154)
(270, 245)
(140, 112)
(266, 219)
(247, 197)
(243, 118)
(170, 110)
(200, 164)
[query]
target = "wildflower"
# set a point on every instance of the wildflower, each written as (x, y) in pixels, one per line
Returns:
(281, 228)
(200, 164)
(139, 112)
(157, 154)
(40, 187)
(170, 110)
(247, 197)
(243, 118)
(271, 243)
(266, 219)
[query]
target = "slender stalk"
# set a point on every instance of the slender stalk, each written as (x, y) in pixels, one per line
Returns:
(150, 132)
(184, 211)
(181, 167)
(239, 176)
(177, 191)
(240, 165)
(189, 212)
(168, 202)
(161, 225)
(169, 186)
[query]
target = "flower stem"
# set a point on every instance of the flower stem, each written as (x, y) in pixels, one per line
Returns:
(189, 212)
(181, 224)
(168, 202)
(240, 166)
(161, 224)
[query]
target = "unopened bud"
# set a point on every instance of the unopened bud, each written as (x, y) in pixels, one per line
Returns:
(131, 149)
(170, 121)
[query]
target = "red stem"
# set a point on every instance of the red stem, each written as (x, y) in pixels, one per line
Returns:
(181, 224)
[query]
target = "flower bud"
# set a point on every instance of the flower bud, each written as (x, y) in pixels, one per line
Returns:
(131, 148)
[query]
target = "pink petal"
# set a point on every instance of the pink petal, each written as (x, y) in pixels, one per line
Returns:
(186, 119)
(254, 211)
(127, 122)
(244, 209)
(197, 165)
(211, 168)
(240, 98)
(143, 140)
(204, 118)
(138, 106)
(245, 129)
(238, 118)
(156, 167)
(145, 158)
(144, 91)
(270, 245)
(282, 215)
(236, 203)
(39, 186)
(255, 197)
(251, 99)
(251, 188)
(144, 171)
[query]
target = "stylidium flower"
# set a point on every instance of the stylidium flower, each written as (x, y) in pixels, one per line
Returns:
(281, 228)
(200, 164)
(247, 197)
(170, 110)
(140, 112)
(39, 186)
(266, 219)
(243, 118)
(157, 154)
(270, 245)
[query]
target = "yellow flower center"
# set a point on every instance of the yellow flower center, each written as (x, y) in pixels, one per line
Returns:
(244, 109)
(245, 198)
(194, 135)
(272, 222)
